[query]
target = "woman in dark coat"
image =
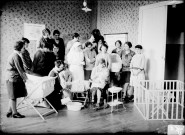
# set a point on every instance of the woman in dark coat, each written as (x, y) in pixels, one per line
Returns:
(43, 61)
(59, 42)
(16, 79)
(27, 62)
(45, 39)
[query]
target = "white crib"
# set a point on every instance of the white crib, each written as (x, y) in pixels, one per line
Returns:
(38, 88)
(160, 99)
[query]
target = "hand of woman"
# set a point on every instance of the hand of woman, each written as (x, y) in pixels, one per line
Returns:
(117, 73)
(83, 63)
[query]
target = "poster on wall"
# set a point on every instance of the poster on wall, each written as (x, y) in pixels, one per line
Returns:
(33, 31)
(112, 38)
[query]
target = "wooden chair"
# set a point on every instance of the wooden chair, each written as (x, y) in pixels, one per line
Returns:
(80, 90)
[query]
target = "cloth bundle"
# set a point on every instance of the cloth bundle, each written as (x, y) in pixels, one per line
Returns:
(80, 86)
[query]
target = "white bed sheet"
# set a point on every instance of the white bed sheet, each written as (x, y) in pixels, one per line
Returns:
(39, 87)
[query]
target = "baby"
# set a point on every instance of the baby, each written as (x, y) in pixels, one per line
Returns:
(66, 81)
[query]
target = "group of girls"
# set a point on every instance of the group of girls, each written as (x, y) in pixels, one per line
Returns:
(83, 60)
(88, 61)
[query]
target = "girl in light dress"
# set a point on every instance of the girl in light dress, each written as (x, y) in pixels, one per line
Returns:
(66, 81)
(104, 55)
(116, 58)
(90, 58)
(137, 67)
(99, 77)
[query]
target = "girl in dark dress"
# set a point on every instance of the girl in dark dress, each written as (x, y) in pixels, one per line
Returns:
(115, 76)
(55, 97)
(118, 48)
(45, 39)
(59, 42)
(16, 79)
(27, 61)
(43, 60)
(126, 57)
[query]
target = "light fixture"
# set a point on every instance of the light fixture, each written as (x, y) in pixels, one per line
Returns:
(85, 8)
(175, 2)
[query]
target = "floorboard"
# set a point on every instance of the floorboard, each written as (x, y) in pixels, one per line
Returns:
(84, 121)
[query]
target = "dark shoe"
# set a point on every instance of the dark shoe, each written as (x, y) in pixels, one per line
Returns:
(106, 106)
(131, 98)
(92, 102)
(123, 96)
(9, 114)
(126, 100)
(85, 106)
(18, 115)
(96, 107)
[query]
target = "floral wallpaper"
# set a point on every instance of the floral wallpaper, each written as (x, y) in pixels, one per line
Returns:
(64, 15)
(116, 16)
(121, 16)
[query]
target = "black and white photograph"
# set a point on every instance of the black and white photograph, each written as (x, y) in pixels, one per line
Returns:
(92, 67)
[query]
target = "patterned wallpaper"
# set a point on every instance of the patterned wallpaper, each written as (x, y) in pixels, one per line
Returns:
(120, 16)
(116, 16)
(66, 16)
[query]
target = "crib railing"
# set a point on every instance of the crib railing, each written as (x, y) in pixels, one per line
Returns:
(160, 99)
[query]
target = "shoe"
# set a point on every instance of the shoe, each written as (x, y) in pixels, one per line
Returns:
(126, 100)
(131, 98)
(92, 102)
(106, 106)
(123, 97)
(96, 107)
(9, 114)
(85, 106)
(18, 115)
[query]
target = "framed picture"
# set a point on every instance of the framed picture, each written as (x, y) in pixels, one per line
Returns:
(33, 31)
(112, 38)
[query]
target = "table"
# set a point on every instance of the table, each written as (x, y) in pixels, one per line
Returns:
(115, 90)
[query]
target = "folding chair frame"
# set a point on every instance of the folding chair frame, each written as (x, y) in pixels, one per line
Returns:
(86, 97)
(26, 99)
(84, 89)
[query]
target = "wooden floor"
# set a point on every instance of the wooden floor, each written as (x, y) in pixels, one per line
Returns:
(85, 121)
